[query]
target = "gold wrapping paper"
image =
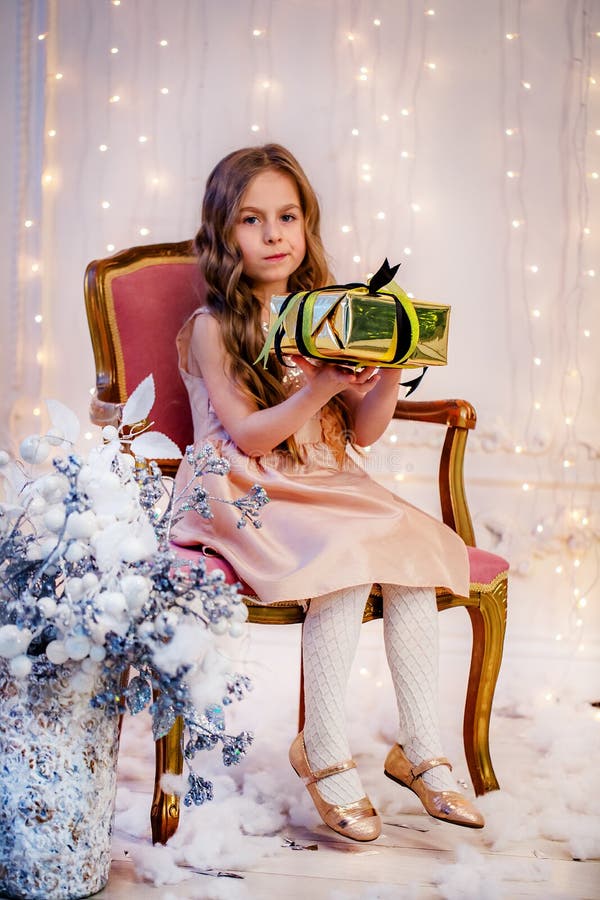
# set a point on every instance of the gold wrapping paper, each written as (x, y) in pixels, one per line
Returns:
(356, 328)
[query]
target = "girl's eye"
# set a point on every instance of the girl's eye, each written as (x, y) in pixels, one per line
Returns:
(250, 220)
(288, 217)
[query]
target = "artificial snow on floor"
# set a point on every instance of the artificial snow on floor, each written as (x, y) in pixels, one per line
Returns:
(262, 824)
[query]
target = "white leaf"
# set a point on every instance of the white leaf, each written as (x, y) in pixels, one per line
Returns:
(155, 445)
(64, 420)
(140, 403)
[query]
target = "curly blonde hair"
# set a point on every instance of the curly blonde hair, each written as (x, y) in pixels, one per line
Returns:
(229, 293)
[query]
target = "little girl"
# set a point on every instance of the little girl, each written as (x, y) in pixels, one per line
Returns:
(330, 531)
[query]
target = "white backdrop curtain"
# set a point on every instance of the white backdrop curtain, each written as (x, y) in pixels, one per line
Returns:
(460, 138)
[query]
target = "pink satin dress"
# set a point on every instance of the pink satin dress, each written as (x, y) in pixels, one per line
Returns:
(327, 525)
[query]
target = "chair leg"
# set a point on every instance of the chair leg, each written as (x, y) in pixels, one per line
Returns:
(488, 621)
(164, 817)
(301, 699)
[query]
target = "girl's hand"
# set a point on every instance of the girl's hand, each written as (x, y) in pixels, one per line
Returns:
(331, 379)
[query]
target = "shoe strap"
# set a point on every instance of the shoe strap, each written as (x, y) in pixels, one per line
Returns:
(428, 764)
(330, 770)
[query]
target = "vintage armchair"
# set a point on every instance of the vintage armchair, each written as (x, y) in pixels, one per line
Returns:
(136, 302)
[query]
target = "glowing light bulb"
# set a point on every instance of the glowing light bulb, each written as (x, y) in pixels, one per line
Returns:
(88, 435)
(582, 602)
(105, 204)
(511, 173)
(510, 131)
(364, 70)
(257, 32)
(534, 269)
(536, 313)
(28, 223)
(518, 448)
(431, 65)
(114, 50)
(116, 2)
(366, 176)
(266, 85)
(346, 228)
(255, 128)
(350, 36)
(511, 36)
(415, 207)
(586, 332)
(42, 37)
(558, 570)
(558, 637)
(568, 420)
(591, 273)
(576, 563)
(59, 76)
(114, 99)
(110, 247)
(405, 112)
(567, 464)
(430, 12)
(381, 215)
(385, 117)
(548, 697)
(163, 43)
(537, 405)
(526, 85)
(144, 231)
(537, 361)
(164, 90)
(407, 251)
(36, 411)
(515, 223)
(594, 175)
(35, 267)
(539, 528)
(103, 148)
(38, 319)
(355, 132)
(525, 486)
(143, 139)
(356, 259)
(47, 179)
(363, 671)
(404, 154)
(52, 132)
(377, 22)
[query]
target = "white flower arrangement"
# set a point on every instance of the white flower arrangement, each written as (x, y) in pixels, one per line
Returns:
(86, 576)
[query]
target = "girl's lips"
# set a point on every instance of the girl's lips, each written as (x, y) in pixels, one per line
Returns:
(276, 257)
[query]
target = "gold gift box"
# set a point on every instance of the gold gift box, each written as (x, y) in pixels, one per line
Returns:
(355, 327)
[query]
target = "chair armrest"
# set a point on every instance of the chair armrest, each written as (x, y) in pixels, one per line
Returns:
(443, 412)
(459, 417)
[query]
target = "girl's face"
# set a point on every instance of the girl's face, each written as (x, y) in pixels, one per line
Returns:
(270, 232)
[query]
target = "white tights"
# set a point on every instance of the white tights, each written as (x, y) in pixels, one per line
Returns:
(330, 636)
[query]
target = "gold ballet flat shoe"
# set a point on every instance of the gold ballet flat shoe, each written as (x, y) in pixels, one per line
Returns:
(449, 806)
(358, 820)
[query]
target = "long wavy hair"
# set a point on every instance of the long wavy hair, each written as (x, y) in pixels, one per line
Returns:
(229, 292)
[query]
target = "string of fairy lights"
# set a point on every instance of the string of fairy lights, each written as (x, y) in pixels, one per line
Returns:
(531, 305)
(381, 133)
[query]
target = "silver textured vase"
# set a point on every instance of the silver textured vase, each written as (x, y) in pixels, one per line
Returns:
(58, 759)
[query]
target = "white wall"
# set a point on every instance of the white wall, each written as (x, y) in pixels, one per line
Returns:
(464, 248)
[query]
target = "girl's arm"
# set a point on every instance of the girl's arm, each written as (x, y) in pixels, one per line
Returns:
(257, 432)
(372, 412)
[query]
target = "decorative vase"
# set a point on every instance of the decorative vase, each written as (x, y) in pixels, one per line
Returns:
(58, 758)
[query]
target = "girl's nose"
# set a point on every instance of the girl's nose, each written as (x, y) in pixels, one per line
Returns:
(272, 233)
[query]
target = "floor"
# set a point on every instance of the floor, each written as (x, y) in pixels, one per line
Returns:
(260, 837)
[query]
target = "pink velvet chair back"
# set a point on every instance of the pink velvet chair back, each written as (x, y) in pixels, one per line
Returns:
(136, 302)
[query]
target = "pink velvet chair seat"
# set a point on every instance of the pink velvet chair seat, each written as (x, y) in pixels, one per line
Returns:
(485, 567)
